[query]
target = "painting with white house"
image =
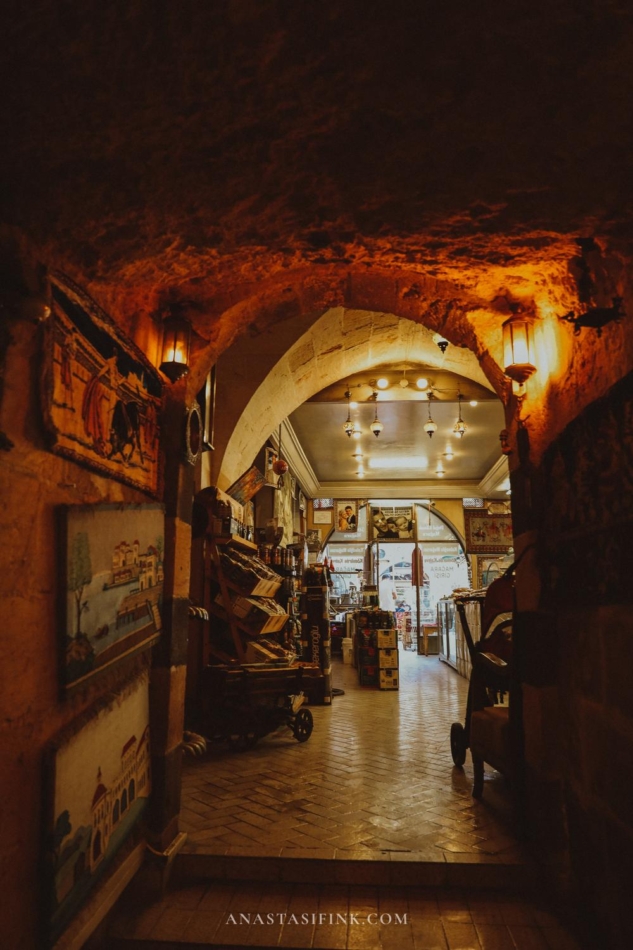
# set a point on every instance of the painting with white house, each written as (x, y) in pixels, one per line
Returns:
(112, 585)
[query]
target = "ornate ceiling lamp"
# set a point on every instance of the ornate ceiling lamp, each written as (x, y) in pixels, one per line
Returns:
(376, 426)
(430, 427)
(460, 427)
(348, 425)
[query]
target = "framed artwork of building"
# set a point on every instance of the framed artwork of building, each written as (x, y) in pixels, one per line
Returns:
(102, 398)
(97, 783)
(487, 533)
(111, 585)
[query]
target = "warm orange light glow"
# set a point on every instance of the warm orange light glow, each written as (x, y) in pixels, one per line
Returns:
(175, 350)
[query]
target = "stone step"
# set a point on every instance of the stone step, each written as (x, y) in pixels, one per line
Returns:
(377, 868)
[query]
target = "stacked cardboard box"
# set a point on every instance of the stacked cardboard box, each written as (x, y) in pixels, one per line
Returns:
(387, 644)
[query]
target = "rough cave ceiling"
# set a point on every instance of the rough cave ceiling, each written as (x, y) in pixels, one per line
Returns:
(156, 149)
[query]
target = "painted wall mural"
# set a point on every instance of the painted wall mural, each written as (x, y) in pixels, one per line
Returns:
(101, 396)
(112, 585)
(98, 781)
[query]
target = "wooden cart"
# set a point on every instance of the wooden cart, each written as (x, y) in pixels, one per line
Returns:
(244, 703)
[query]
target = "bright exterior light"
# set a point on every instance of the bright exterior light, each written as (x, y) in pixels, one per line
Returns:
(382, 383)
(422, 383)
(518, 348)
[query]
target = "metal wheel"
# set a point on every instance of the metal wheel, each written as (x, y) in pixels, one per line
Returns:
(303, 725)
(458, 744)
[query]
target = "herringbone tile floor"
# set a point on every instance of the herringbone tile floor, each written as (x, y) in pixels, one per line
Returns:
(376, 775)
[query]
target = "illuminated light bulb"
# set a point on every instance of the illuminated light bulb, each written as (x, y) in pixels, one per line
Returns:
(360, 473)
(356, 433)
(473, 403)
(376, 427)
(348, 427)
(430, 427)
(439, 471)
(358, 456)
(509, 491)
(422, 383)
(382, 383)
(459, 429)
(404, 382)
(449, 453)
(353, 405)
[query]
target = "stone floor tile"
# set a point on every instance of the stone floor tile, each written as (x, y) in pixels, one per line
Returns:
(461, 936)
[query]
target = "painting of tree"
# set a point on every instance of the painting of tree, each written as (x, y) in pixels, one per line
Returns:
(79, 572)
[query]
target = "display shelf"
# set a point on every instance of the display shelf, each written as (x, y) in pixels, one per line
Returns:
(252, 630)
(237, 540)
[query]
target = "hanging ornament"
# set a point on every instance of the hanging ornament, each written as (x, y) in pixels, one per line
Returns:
(280, 466)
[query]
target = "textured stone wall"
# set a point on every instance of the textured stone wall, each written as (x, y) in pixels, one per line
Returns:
(578, 701)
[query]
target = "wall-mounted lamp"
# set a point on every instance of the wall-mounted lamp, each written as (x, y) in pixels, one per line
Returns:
(518, 348)
(175, 349)
(596, 318)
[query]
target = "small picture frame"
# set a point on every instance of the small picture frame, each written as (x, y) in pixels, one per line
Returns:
(314, 540)
(322, 516)
(347, 515)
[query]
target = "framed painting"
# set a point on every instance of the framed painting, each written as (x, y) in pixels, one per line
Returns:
(102, 398)
(97, 783)
(206, 399)
(347, 515)
(487, 533)
(393, 523)
(247, 485)
(112, 585)
(489, 568)
(314, 540)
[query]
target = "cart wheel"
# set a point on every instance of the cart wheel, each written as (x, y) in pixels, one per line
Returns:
(303, 725)
(458, 744)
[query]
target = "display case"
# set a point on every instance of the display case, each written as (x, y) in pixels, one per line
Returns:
(452, 645)
(446, 630)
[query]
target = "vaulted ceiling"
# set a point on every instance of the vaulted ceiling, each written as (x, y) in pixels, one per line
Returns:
(188, 153)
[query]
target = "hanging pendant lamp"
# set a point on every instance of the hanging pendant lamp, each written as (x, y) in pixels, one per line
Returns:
(348, 425)
(376, 426)
(430, 427)
(460, 427)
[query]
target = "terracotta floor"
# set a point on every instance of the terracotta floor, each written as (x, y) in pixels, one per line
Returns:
(376, 776)
(374, 789)
(385, 918)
